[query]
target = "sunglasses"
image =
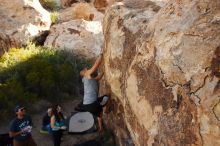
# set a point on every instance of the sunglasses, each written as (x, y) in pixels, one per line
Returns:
(21, 110)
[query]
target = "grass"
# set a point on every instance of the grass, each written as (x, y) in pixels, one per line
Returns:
(54, 17)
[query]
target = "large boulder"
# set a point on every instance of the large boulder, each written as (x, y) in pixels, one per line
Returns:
(162, 67)
(7, 42)
(101, 5)
(84, 11)
(67, 3)
(21, 20)
(78, 37)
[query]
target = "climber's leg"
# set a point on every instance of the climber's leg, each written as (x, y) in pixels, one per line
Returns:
(100, 122)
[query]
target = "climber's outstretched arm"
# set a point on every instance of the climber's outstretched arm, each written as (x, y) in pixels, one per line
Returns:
(96, 65)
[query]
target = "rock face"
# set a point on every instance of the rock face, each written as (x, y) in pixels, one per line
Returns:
(80, 11)
(100, 4)
(22, 19)
(7, 42)
(67, 3)
(162, 67)
(79, 37)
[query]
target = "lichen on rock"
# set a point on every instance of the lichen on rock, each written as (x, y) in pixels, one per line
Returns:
(162, 66)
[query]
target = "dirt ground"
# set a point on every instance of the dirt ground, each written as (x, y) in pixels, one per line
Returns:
(67, 139)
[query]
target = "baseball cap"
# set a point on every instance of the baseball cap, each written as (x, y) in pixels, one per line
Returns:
(18, 107)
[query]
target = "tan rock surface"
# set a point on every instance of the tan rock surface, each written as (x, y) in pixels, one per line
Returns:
(79, 37)
(67, 3)
(80, 11)
(99, 4)
(162, 67)
(21, 20)
(6, 43)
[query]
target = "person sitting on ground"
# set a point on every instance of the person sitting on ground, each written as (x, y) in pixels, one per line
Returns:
(62, 117)
(56, 125)
(46, 122)
(90, 99)
(20, 128)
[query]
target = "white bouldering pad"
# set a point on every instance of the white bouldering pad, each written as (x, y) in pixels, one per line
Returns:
(81, 122)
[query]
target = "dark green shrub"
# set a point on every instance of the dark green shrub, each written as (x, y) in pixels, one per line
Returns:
(33, 73)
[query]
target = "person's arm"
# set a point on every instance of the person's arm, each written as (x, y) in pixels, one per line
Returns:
(52, 123)
(13, 130)
(13, 134)
(95, 65)
(99, 77)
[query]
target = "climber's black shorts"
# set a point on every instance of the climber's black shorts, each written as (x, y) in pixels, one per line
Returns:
(95, 108)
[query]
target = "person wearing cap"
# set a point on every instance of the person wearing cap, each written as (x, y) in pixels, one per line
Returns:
(20, 128)
(90, 99)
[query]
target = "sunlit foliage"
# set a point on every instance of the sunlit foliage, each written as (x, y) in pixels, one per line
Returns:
(33, 73)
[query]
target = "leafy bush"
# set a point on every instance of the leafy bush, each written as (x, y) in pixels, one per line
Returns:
(54, 16)
(33, 73)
